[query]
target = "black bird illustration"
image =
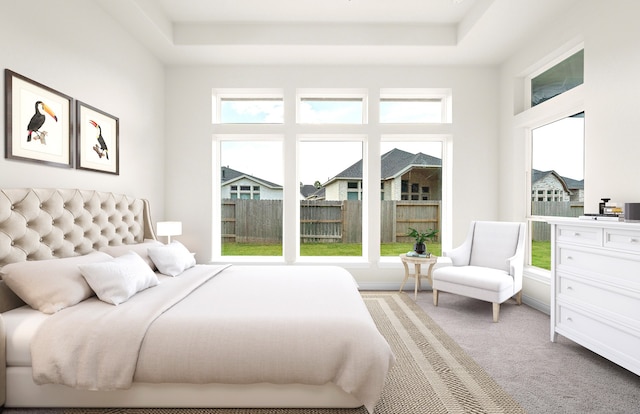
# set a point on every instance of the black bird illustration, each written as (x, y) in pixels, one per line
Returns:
(101, 150)
(37, 120)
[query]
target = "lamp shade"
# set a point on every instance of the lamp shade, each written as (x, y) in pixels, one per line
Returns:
(169, 228)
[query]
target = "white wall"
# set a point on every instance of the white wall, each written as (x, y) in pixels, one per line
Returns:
(74, 47)
(189, 134)
(609, 31)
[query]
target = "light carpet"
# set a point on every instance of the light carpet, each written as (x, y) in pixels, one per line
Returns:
(432, 373)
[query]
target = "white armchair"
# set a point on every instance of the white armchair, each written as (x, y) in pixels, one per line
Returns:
(487, 266)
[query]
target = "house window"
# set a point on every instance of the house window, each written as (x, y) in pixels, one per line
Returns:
(557, 159)
(331, 226)
(251, 194)
(266, 175)
(558, 79)
(413, 171)
(239, 106)
(331, 107)
(415, 106)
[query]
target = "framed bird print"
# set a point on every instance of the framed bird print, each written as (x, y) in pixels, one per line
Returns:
(97, 142)
(38, 122)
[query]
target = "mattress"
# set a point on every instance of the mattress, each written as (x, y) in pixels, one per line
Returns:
(274, 324)
(21, 324)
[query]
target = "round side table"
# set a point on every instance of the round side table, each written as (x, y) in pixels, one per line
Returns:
(417, 274)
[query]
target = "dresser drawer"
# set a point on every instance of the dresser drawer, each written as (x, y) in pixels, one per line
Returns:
(622, 302)
(619, 345)
(588, 236)
(628, 240)
(622, 269)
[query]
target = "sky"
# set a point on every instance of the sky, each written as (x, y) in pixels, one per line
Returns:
(559, 146)
(319, 161)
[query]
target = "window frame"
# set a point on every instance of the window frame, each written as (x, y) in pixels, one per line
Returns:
(545, 65)
(290, 133)
(216, 210)
(362, 196)
(330, 94)
(443, 95)
(561, 106)
(220, 94)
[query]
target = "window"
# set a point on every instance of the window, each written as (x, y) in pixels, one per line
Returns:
(557, 167)
(412, 178)
(248, 107)
(558, 79)
(251, 194)
(415, 106)
(303, 194)
(331, 107)
(331, 220)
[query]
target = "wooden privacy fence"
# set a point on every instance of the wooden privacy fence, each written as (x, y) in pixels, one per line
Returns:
(542, 231)
(398, 216)
(260, 221)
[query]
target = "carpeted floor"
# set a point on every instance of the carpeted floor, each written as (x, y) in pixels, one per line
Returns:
(432, 373)
(559, 377)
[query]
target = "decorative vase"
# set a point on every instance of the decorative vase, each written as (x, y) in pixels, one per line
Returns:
(419, 248)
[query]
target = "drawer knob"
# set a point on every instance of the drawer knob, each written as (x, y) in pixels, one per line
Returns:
(569, 319)
(569, 257)
(576, 234)
(569, 287)
(632, 240)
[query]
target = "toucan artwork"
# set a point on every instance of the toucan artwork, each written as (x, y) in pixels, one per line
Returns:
(101, 147)
(37, 121)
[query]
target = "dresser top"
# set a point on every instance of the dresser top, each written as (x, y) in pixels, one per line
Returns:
(594, 223)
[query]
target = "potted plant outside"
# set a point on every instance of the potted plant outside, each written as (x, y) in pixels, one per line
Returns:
(421, 237)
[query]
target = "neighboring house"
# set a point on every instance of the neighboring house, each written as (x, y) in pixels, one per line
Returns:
(550, 186)
(405, 176)
(311, 192)
(238, 185)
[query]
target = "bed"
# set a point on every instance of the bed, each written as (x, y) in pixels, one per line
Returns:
(97, 313)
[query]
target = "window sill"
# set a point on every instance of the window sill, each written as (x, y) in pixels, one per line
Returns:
(538, 274)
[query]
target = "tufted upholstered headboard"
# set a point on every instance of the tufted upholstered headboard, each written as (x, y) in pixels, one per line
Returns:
(39, 224)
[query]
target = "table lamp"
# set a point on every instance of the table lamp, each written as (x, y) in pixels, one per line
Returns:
(169, 228)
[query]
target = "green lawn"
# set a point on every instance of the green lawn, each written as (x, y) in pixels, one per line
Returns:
(541, 254)
(540, 251)
(320, 249)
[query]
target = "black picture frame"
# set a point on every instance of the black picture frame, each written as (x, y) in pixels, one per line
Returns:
(98, 140)
(38, 122)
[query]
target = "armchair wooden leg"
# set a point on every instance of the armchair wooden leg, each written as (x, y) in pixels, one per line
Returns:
(519, 298)
(496, 311)
(435, 297)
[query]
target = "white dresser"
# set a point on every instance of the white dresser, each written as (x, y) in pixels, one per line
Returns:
(595, 287)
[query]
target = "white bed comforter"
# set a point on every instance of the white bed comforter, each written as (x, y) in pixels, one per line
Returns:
(236, 325)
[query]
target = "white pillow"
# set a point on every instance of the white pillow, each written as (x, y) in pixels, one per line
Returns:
(119, 279)
(172, 259)
(140, 248)
(51, 285)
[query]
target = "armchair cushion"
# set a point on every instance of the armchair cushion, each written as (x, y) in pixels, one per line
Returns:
(483, 283)
(494, 243)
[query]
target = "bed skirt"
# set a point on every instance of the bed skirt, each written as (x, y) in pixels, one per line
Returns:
(23, 392)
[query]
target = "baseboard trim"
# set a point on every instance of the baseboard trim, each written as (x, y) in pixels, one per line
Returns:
(536, 304)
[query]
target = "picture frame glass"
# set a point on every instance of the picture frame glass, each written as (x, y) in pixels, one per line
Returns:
(39, 124)
(97, 140)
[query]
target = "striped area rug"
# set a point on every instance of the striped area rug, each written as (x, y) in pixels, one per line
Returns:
(432, 373)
